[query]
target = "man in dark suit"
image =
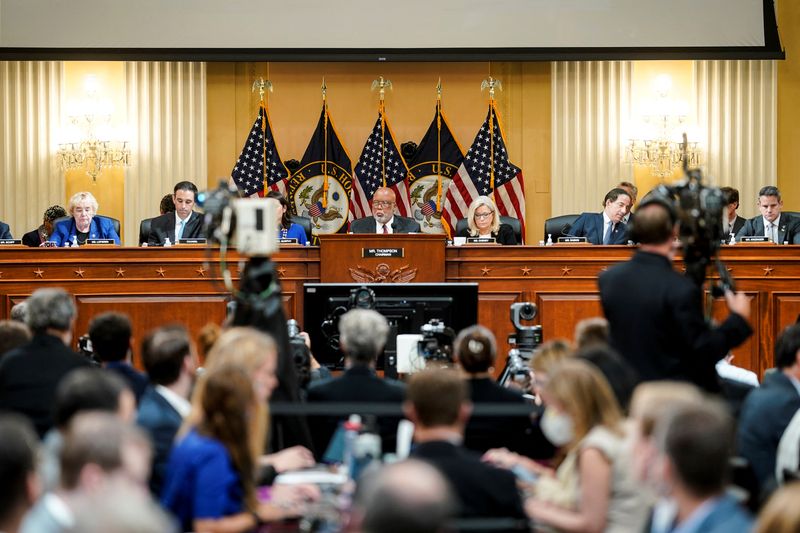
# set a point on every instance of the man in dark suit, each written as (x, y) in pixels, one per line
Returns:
(777, 227)
(383, 219)
(170, 361)
(439, 407)
(5, 231)
(30, 374)
(606, 227)
(110, 334)
(362, 336)
(184, 223)
(731, 221)
(768, 410)
(655, 314)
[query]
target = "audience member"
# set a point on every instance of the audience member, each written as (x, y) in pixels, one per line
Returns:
(545, 357)
(439, 407)
(121, 509)
(731, 221)
(100, 452)
(286, 228)
(167, 205)
(768, 409)
(781, 514)
(590, 332)
(606, 227)
(383, 219)
(777, 227)
(206, 338)
(696, 441)
(483, 220)
(19, 486)
(40, 235)
(110, 334)
(183, 223)
(619, 375)
(362, 335)
(19, 311)
(84, 223)
(170, 363)
(13, 334)
(655, 314)
(475, 351)
(29, 374)
(406, 497)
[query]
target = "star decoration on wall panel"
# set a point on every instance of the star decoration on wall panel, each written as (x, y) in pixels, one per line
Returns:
(120, 272)
(526, 271)
(565, 271)
(79, 273)
(39, 273)
(768, 270)
(161, 272)
(201, 272)
(485, 271)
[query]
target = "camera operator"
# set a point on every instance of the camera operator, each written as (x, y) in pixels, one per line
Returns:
(308, 368)
(656, 314)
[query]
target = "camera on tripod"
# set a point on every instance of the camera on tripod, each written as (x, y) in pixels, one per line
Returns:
(301, 355)
(436, 345)
(523, 341)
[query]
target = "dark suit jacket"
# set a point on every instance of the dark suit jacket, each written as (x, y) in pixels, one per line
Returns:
(504, 235)
(136, 380)
(30, 374)
(657, 324)
(99, 228)
(738, 224)
(766, 412)
(164, 226)
(5, 231)
(400, 225)
(357, 384)
(162, 422)
(590, 225)
(32, 238)
(788, 231)
(482, 490)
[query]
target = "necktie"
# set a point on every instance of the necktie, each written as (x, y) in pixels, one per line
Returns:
(770, 232)
(385, 229)
(609, 230)
(180, 230)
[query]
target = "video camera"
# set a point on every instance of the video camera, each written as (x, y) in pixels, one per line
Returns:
(436, 344)
(523, 342)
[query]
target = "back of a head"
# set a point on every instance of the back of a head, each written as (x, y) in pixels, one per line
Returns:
(475, 349)
(653, 400)
(110, 334)
(243, 346)
(103, 512)
(618, 373)
(19, 312)
(549, 354)
(405, 497)
(163, 352)
(729, 195)
(166, 205)
(437, 396)
(103, 440)
(653, 223)
(591, 331)
(18, 450)
(363, 333)
(781, 514)
(86, 389)
(787, 346)
(13, 334)
(698, 441)
(50, 308)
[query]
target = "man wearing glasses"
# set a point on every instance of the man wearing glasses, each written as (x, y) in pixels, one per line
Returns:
(383, 219)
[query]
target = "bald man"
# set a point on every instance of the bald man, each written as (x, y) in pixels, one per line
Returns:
(383, 219)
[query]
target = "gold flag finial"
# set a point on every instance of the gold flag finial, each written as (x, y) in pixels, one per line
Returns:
(382, 85)
(324, 89)
(439, 89)
(262, 86)
(491, 84)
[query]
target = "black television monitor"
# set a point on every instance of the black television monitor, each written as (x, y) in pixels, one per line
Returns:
(407, 306)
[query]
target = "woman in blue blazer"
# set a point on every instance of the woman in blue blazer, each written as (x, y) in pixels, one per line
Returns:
(84, 224)
(286, 228)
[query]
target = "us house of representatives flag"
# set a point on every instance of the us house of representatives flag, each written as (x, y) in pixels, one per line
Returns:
(260, 165)
(435, 162)
(381, 159)
(475, 178)
(320, 188)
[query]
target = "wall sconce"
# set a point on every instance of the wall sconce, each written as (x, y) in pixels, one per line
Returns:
(658, 142)
(90, 146)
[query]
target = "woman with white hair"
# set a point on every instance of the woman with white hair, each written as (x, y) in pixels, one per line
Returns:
(84, 224)
(483, 220)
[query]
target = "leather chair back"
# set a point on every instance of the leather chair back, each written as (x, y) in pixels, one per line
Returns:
(305, 223)
(555, 226)
(144, 230)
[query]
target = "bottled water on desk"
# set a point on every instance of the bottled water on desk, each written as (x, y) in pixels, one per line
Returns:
(549, 240)
(733, 239)
(167, 243)
(74, 241)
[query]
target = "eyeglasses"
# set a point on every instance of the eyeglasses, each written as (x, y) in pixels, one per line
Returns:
(484, 215)
(382, 203)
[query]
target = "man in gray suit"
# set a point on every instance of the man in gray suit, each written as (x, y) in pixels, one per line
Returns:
(383, 219)
(772, 224)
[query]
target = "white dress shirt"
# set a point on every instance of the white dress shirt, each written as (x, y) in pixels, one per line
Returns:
(773, 236)
(379, 226)
(178, 234)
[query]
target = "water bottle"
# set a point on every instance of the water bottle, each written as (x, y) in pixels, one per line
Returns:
(74, 241)
(167, 243)
(733, 239)
(351, 430)
(549, 240)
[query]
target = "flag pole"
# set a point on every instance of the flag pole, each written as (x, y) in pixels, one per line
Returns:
(325, 184)
(263, 86)
(439, 146)
(382, 84)
(491, 84)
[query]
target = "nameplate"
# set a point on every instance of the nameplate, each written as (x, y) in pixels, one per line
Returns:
(755, 238)
(10, 242)
(100, 241)
(382, 252)
(288, 241)
(481, 240)
(192, 241)
(572, 240)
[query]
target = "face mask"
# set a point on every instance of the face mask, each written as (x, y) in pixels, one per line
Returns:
(557, 427)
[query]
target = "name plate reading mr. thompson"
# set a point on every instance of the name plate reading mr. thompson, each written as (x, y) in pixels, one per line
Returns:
(382, 252)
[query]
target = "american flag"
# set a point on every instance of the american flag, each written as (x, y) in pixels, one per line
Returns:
(249, 172)
(369, 171)
(473, 178)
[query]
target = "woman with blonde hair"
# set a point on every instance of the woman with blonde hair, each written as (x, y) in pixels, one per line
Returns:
(483, 220)
(84, 223)
(781, 514)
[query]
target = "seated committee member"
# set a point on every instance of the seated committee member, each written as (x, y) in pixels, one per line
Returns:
(383, 219)
(771, 224)
(606, 227)
(184, 223)
(84, 224)
(286, 228)
(483, 220)
(39, 236)
(5, 232)
(731, 221)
